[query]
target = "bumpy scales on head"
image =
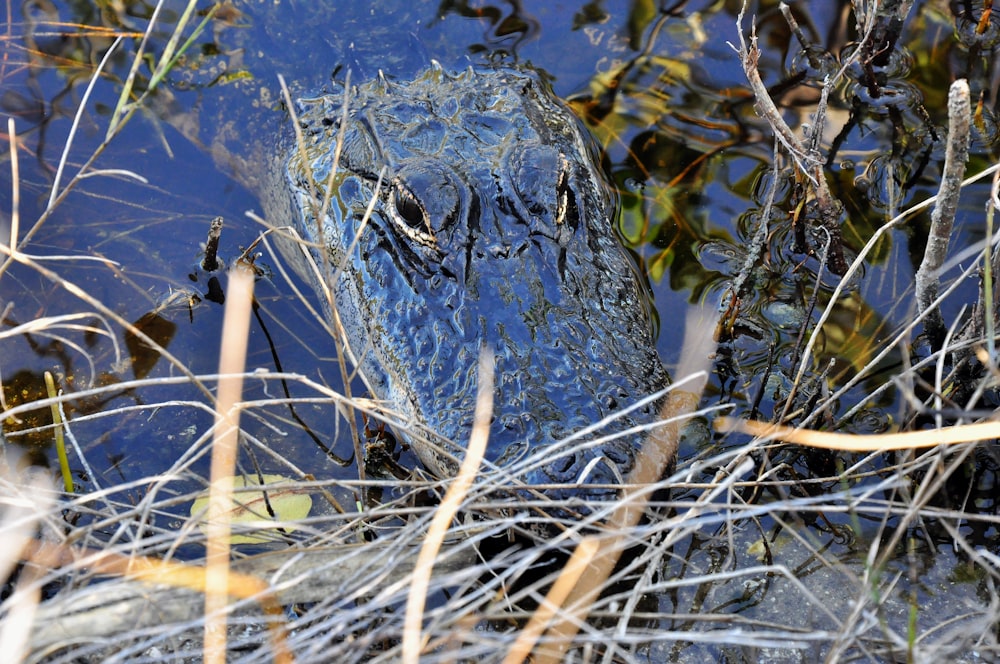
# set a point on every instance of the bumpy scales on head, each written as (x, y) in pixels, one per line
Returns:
(493, 227)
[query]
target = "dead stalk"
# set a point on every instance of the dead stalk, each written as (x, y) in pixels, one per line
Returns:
(943, 215)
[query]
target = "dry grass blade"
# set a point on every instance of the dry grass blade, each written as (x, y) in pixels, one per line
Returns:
(657, 454)
(18, 522)
(579, 562)
(232, 359)
(446, 511)
(326, 275)
(54, 196)
(15, 194)
(909, 440)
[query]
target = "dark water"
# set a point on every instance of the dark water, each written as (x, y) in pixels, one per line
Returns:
(662, 89)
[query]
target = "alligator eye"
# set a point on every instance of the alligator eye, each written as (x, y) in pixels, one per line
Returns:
(409, 209)
(424, 202)
(542, 179)
(564, 197)
(410, 215)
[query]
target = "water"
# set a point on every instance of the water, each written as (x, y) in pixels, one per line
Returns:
(666, 96)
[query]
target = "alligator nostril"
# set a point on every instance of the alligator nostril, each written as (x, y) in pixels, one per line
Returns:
(620, 455)
(562, 466)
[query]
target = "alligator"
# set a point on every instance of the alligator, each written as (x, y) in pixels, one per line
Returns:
(492, 226)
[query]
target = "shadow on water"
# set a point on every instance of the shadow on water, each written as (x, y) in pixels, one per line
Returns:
(694, 163)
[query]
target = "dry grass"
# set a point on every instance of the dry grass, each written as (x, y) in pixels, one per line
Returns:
(746, 559)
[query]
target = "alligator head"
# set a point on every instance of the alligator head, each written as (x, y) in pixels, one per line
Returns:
(492, 226)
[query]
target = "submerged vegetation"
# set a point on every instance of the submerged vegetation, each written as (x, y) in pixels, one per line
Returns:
(823, 184)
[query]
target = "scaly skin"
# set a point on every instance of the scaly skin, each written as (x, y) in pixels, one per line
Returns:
(493, 227)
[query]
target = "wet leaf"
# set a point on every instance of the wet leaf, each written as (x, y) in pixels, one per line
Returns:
(157, 328)
(279, 500)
